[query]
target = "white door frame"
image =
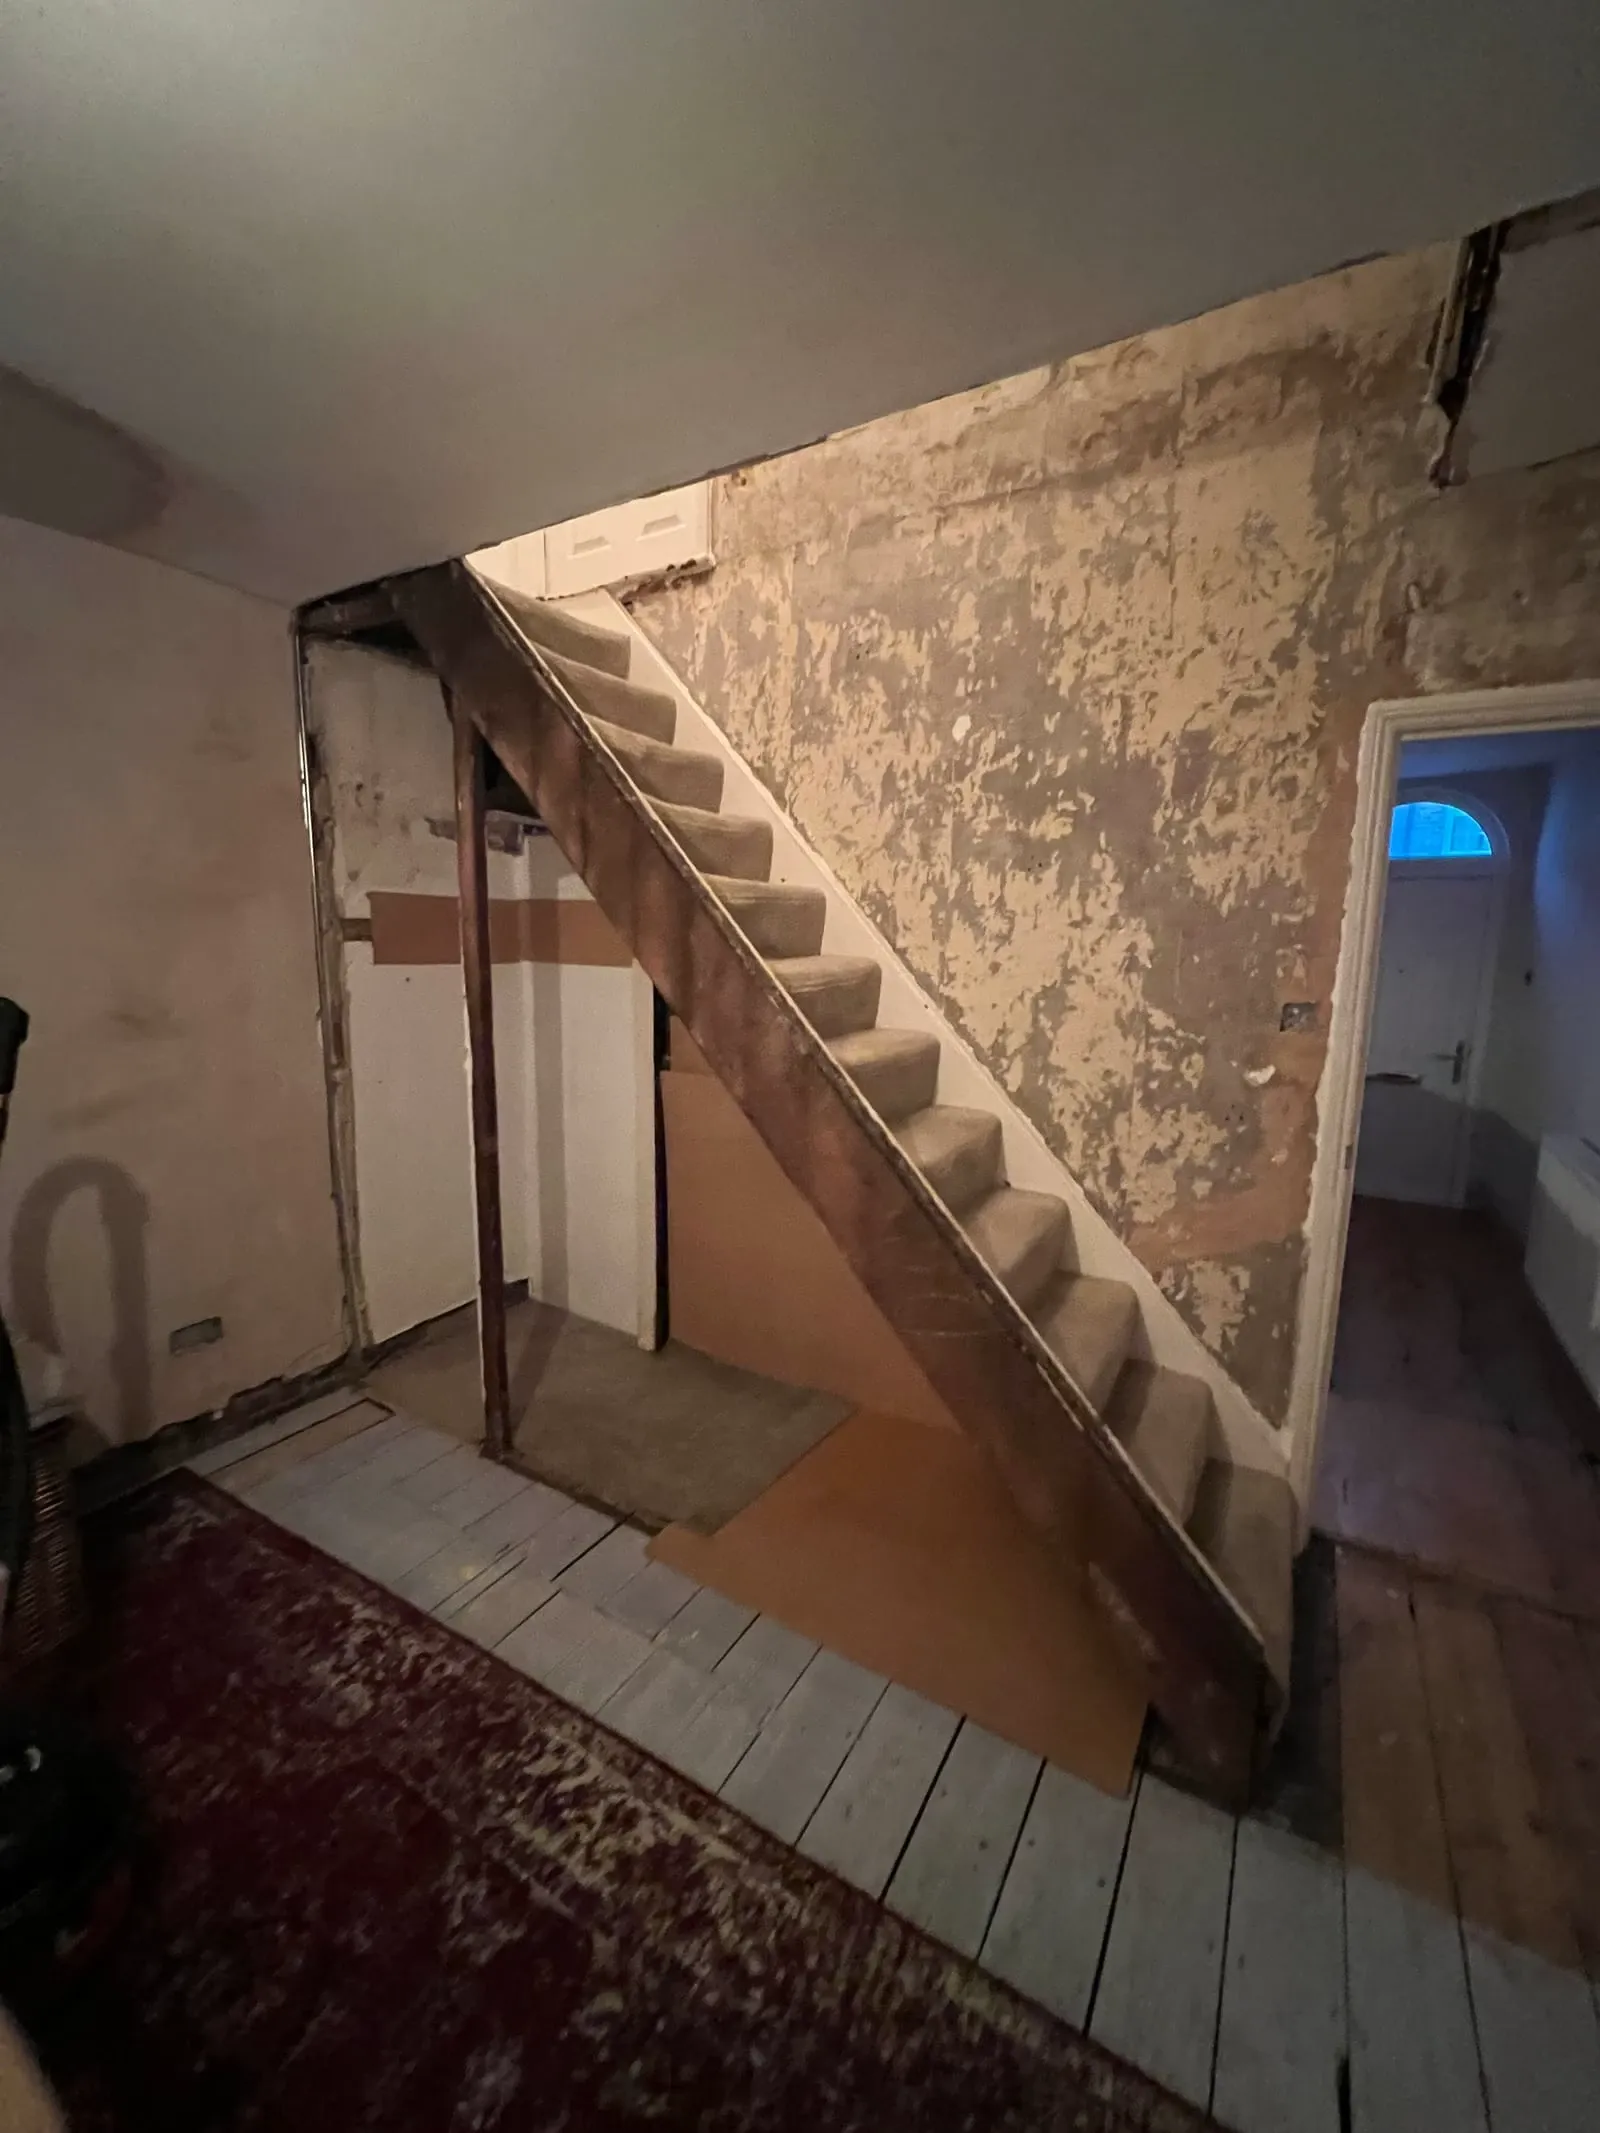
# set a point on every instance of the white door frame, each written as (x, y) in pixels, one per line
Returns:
(1389, 724)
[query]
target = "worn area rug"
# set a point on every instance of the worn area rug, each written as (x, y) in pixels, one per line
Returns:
(387, 1882)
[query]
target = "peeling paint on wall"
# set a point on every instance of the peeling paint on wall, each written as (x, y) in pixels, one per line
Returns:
(1065, 678)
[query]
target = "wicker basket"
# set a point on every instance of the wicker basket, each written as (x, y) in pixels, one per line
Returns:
(49, 1607)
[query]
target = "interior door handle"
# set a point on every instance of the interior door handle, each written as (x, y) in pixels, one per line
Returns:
(1397, 1081)
(1458, 1062)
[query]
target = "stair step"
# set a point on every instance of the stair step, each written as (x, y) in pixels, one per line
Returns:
(1021, 1236)
(1162, 1419)
(1243, 1523)
(778, 918)
(722, 844)
(554, 630)
(838, 993)
(957, 1151)
(896, 1070)
(619, 703)
(679, 774)
(1088, 1325)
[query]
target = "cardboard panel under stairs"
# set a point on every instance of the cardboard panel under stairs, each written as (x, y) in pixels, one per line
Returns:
(1112, 1462)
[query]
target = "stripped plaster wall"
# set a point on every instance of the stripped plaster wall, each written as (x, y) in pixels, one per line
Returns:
(1065, 678)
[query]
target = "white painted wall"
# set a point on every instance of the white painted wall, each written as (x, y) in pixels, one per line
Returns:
(572, 1043)
(1566, 894)
(168, 1153)
(447, 273)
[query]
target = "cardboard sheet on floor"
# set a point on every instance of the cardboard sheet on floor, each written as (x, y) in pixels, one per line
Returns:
(894, 1544)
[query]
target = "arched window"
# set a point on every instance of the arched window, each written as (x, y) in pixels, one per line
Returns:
(1437, 829)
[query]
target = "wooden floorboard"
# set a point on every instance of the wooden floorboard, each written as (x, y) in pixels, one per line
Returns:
(796, 1755)
(1557, 1700)
(266, 1434)
(1393, 1813)
(864, 1818)
(1509, 1875)
(1538, 2036)
(1413, 2042)
(1161, 1983)
(1049, 1924)
(949, 1875)
(1281, 2041)
(575, 1651)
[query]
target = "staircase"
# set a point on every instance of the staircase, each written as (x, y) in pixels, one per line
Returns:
(1113, 1459)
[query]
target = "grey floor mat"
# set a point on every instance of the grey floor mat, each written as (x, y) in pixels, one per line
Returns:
(664, 1437)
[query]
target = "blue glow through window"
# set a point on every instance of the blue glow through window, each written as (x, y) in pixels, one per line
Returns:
(1433, 829)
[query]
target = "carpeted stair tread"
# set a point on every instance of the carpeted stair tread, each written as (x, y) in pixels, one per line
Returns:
(838, 993)
(1088, 1325)
(682, 775)
(1243, 1523)
(1021, 1235)
(896, 1070)
(778, 918)
(618, 702)
(1163, 1421)
(554, 630)
(957, 1150)
(721, 844)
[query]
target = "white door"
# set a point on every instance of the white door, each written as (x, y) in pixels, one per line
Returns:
(1436, 927)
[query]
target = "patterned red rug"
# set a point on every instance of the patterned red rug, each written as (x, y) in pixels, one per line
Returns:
(390, 1883)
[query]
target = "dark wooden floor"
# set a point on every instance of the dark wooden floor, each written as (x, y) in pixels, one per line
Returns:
(1459, 1437)
(1445, 1734)
(1435, 1315)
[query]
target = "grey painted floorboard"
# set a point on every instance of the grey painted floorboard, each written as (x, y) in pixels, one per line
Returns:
(1049, 1925)
(1413, 2047)
(794, 1757)
(522, 1516)
(950, 1875)
(664, 1700)
(1161, 1983)
(274, 1432)
(500, 1607)
(483, 1492)
(1281, 2038)
(649, 1601)
(431, 1483)
(440, 1576)
(867, 1812)
(575, 1651)
(606, 1567)
(571, 1533)
(708, 1626)
(408, 1452)
(749, 1681)
(1539, 2038)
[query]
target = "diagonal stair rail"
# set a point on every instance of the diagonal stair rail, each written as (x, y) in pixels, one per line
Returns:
(1199, 1652)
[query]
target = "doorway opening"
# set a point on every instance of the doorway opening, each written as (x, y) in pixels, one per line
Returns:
(1462, 1424)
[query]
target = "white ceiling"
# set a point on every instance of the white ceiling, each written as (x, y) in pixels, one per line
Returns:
(364, 283)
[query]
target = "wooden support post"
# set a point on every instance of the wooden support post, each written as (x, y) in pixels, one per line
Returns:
(472, 860)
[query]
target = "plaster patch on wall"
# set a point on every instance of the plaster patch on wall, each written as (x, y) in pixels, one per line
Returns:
(1065, 678)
